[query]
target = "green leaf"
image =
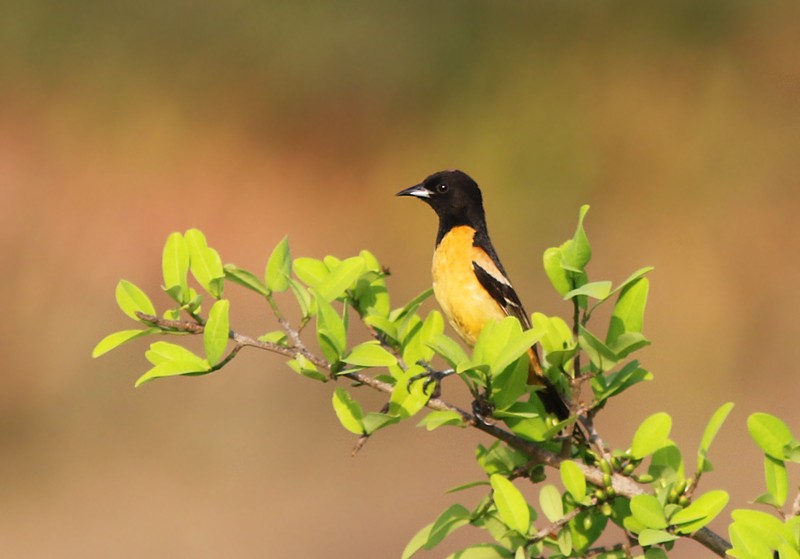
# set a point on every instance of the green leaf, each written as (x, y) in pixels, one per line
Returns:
(614, 383)
(493, 338)
(586, 528)
(304, 299)
(755, 534)
(417, 542)
(499, 459)
(557, 341)
(573, 479)
(205, 263)
(655, 553)
(277, 337)
(628, 342)
(710, 432)
(448, 522)
(310, 271)
(279, 267)
(245, 279)
(175, 264)
(632, 278)
(649, 536)
(408, 398)
(555, 272)
(167, 351)
(116, 339)
(370, 354)
(577, 253)
(648, 510)
(550, 502)
(596, 290)
(777, 482)
(348, 411)
(599, 354)
(666, 464)
(170, 369)
(517, 346)
(511, 505)
(449, 349)
(436, 419)
(416, 342)
(216, 331)
(651, 435)
(341, 278)
(628, 314)
(792, 452)
(331, 332)
(370, 294)
(374, 421)
(132, 299)
(565, 542)
(700, 512)
(383, 325)
(306, 368)
(770, 433)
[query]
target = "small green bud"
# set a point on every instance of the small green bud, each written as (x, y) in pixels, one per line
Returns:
(606, 509)
(600, 495)
(628, 469)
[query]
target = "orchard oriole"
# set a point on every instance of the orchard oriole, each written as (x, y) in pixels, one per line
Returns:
(469, 281)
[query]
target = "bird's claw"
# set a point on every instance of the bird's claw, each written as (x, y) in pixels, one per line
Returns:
(431, 376)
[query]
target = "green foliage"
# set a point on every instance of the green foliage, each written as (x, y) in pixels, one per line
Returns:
(397, 349)
(755, 534)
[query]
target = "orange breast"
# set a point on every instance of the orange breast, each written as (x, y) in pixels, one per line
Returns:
(464, 301)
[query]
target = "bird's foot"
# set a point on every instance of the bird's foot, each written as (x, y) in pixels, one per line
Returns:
(431, 376)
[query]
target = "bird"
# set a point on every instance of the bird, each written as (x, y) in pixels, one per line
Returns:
(469, 282)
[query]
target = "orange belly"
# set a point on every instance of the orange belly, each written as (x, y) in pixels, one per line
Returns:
(465, 302)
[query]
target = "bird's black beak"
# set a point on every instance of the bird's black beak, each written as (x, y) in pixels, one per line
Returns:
(418, 191)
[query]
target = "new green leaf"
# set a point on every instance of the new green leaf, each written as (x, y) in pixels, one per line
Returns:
(770, 433)
(245, 279)
(370, 354)
(628, 314)
(171, 368)
(279, 266)
(573, 479)
(648, 510)
(175, 264)
(550, 502)
(216, 331)
(651, 435)
(116, 339)
(131, 300)
(700, 512)
(511, 505)
(348, 411)
(205, 263)
(436, 419)
(710, 432)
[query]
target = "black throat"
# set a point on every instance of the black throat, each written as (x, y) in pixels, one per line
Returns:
(470, 216)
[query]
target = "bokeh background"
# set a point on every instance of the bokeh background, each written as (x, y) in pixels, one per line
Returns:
(121, 121)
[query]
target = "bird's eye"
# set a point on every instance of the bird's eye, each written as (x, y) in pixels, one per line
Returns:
(441, 189)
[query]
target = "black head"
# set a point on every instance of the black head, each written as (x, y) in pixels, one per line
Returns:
(454, 196)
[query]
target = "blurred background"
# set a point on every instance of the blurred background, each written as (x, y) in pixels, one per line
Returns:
(121, 121)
